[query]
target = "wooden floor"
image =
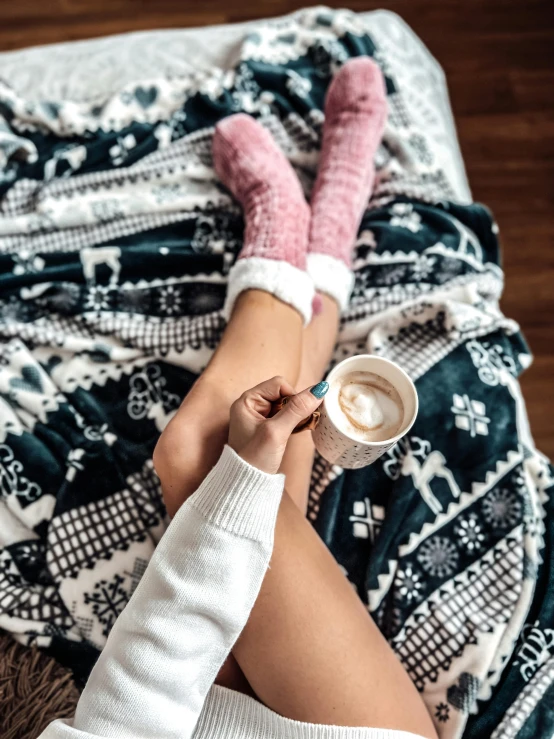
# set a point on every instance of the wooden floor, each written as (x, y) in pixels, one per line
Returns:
(499, 59)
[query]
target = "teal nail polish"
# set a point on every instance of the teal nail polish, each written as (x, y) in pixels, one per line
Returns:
(320, 389)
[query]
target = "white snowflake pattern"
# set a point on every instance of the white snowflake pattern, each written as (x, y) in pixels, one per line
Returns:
(423, 267)
(120, 152)
(244, 79)
(298, 85)
(470, 415)
(246, 90)
(176, 124)
(502, 509)
(404, 216)
(367, 519)
(470, 533)
(170, 300)
(438, 556)
(27, 262)
(394, 274)
(98, 298)
(409, 584)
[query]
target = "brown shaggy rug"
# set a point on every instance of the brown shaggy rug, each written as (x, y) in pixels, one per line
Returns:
(34, 690)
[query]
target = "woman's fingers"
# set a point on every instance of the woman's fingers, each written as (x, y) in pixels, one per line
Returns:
(260, 440)
(260, 397)
(298, 407)
(273, 389)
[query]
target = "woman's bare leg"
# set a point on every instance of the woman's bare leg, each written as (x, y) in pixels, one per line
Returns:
(263, 338)
(310, 650)
(319, 340)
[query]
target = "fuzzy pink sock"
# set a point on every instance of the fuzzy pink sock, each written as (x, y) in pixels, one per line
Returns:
(273, 258)
(355, 116)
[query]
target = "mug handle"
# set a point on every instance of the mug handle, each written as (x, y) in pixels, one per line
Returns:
(308, 424)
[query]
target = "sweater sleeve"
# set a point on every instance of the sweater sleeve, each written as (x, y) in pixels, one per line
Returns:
(167, 646)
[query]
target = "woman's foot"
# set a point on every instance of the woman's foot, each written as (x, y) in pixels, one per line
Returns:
(273, 258)
(355, 116)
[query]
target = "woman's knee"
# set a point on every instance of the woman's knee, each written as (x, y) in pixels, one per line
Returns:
(186, 451)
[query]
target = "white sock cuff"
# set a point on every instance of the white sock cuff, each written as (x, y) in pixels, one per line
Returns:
(332, 277)
(288, 283)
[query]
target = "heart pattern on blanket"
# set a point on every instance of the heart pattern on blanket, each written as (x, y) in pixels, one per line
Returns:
(29, 380)
(146, 96)
(463, 695)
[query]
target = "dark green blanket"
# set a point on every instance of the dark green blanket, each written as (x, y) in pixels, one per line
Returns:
(115, 242)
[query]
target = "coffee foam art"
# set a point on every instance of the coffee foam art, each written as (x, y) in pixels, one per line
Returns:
(365, 406)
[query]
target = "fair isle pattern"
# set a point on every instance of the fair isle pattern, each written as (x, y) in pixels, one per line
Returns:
(527, 702)
(115, 248)
(81, 535)
(490, 594)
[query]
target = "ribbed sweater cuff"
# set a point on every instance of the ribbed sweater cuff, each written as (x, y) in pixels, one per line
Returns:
(240, 498)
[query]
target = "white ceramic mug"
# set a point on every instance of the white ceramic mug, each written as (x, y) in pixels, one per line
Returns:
(346, 451)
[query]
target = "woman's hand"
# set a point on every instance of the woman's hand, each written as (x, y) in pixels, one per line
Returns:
(259, 440)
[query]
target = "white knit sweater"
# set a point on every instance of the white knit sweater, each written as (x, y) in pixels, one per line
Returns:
(155, 675)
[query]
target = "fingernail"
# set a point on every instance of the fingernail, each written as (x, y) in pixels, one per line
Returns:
(320, 389)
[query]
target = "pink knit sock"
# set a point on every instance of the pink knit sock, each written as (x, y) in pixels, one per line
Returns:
(273, 258)
(355, 115)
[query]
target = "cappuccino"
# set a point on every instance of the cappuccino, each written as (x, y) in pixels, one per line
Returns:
(365, 406)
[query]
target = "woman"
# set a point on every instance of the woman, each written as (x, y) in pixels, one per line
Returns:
(243, 625)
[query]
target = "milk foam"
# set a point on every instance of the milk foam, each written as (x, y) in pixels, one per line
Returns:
(365, 406)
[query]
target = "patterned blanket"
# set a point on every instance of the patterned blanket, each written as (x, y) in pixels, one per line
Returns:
(115, 243)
